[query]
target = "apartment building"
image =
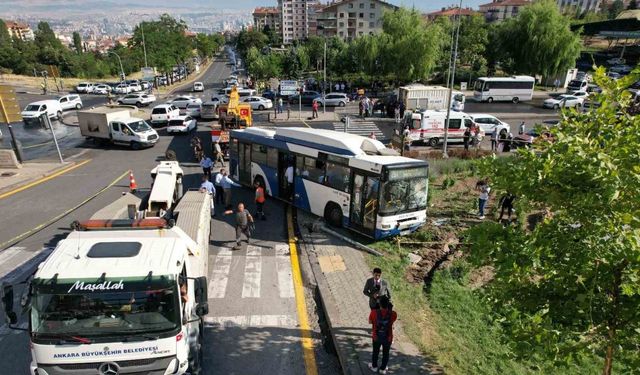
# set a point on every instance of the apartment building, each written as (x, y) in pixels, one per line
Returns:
(19, 30)
(500, 10)
(349, 19)
(295, 19)
(267, 16)
(451, 13)
(581, 6)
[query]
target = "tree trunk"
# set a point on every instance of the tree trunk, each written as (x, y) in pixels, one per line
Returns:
(608, 361)
(613, 321)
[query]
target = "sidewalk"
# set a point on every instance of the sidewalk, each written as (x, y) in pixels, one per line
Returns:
(11, 179)
(340, 272)
(305, 115)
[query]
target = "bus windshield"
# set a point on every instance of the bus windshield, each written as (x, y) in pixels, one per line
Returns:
(104, 307)
(478, 85)
(405, 191)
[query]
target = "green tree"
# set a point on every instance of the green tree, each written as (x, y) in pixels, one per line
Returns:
(250, 38)
(272, 36)
(571, 284)
(633, 4)
(7, 52)
(472, 44)
(77, 42)
(551, 46)
(615, 8)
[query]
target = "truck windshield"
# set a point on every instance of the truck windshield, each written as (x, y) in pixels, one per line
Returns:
(405, 191)
(139, 126)
(32, 108)
(93, 308)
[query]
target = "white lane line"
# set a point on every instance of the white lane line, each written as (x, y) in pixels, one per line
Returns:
(252, 321)
(283, 267)
(220, 274)
(252, 272)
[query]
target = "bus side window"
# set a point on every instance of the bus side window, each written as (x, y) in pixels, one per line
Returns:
(337, 177)
(486, 87)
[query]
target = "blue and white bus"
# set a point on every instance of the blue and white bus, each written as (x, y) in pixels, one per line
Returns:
(350, 180)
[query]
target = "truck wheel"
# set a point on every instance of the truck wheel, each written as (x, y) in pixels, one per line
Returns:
(515, 100)
(135, 145)
(433, 142)
(333, 214)
(490, 100)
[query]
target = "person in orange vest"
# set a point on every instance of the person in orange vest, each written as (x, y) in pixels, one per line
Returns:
(260, 198)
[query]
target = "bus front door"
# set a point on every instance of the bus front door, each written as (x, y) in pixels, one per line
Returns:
(244, 164)
(285, 189)
(364, 203)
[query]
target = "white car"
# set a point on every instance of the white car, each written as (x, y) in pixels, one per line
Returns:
(564, 100)
(616, 61)
(334, 100)
(198, 86)
(102, 89)
(490, 124)
(137, 99)
(34, 111)
(135, 87)
(194, 110)
(122, 88)
(581, 94)
(85, 87)
(182, 101)
(163, 113)
(258, 102)
(182, 124)
(71, 101)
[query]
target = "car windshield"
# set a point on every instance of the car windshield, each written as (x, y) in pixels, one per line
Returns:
(405, 191)
(139, 126)
(32, 108)
(104, 307)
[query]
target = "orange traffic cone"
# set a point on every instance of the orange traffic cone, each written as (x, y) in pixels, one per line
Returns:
(132, 183)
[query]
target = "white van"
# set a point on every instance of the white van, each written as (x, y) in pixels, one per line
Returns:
(33, 111)
(427, 126)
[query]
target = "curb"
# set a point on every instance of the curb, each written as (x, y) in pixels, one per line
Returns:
(192, 79)
(37, 177)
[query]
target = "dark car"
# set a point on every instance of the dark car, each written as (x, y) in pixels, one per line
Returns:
(269, 94)
(307, 97)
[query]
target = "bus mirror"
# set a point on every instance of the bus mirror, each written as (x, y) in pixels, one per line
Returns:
(7, 304)
(200, 291)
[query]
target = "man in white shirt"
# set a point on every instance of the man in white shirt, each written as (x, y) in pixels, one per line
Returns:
(289, 175)
(217, 182)
(206, 165)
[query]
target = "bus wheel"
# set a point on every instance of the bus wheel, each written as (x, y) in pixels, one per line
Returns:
(490, 100)
(433, 142)
(515, 100)
(333, 214)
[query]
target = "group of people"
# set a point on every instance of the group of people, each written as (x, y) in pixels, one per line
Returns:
(381, 318)
(365, 106)
(505, 203)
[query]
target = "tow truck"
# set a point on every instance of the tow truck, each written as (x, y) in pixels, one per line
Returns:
(125, 291)
(233, 115)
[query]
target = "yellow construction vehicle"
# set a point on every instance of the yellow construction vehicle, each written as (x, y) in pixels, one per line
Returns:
(234, 115)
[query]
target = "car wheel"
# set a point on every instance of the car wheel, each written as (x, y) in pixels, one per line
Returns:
(490, 100)
(78, 106)
(515, 100)
(135, 145)
(503, 133)
(342, 104)
(433, 142)
(261, 107)
(59, 115)
(120, 102)
(138, 104)
(556, 106)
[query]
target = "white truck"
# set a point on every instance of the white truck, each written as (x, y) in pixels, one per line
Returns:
(125, 292)
(418, 96)
(115, 125)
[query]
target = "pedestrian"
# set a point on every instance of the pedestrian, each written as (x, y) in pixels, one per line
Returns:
(288, 173)
(556, 84)
(280, 105)
(361, 107)
(494, 140)
(367, 107)
(372, 135)
(506, 203)
(314, 106)
(217, 183)
(260, 199)
(522, 128)
(218, 154)
(382, 320)
(337, 87)
(483, 187)
(342, 87)
(207, 187)
(244, 222)
(375, 287)
(206, 165)
(226, 184)
(396, 112)
(465, 138)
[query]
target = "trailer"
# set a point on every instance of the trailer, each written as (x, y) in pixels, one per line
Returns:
(418, 96)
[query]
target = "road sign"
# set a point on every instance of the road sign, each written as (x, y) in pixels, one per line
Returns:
(9, 107)
(288, 88)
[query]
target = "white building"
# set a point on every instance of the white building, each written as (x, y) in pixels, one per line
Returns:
(349, 19)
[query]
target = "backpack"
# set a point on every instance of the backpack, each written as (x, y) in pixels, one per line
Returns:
(383, 326)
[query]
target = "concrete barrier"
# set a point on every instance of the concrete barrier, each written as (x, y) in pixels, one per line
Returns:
(8, 160)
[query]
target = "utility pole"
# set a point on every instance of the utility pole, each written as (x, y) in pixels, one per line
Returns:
(453, 75)
(122, 76)
(144, 45)
(324, 83)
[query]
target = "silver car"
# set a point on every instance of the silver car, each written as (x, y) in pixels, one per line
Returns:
(334, 100)
(194, 109)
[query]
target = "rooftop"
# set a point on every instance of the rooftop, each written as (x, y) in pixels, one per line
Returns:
(505, 3)
(266, 10)
(452, 11)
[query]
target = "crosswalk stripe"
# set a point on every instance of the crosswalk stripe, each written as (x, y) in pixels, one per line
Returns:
(252, 321)
(364, 128)
(220, 274)
(283, 267)
(252, 272)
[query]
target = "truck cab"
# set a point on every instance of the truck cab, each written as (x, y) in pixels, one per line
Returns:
(133, 131)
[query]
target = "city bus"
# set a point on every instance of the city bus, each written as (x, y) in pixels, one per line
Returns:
(352, 181)
(514, 89)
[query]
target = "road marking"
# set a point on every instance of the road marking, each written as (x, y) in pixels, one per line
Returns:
(220, 273)
(252, 272)
(44, 179)
(283, 267)
(39, 227)
(307, 125)
(303, 318)
(252, 321)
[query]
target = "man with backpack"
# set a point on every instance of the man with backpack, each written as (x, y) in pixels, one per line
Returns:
(382, 320)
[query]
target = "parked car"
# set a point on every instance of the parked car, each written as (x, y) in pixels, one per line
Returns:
(33, 111)
(581, 94)
(198, 86)
(583, 76)
(134, 87)
(146, 85)
(533, 136)
(85, 87)
(334, 100)
(102, 89)
(122, 88)
(490, 124)
(182, 101)
(182, 124)
(71, 101)
(622, 69)
(564, 100)
(577, 85)
(137, 99)
(194, 109)
(269, 94)
(258, 102)
(161, 114)
(614, 75)
(307, 97)
(209, 111)
(616, 61)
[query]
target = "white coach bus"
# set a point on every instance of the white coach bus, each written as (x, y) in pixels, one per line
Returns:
(514, 89)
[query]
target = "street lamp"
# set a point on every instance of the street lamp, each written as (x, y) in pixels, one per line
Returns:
(122, 75)
(453, 74)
